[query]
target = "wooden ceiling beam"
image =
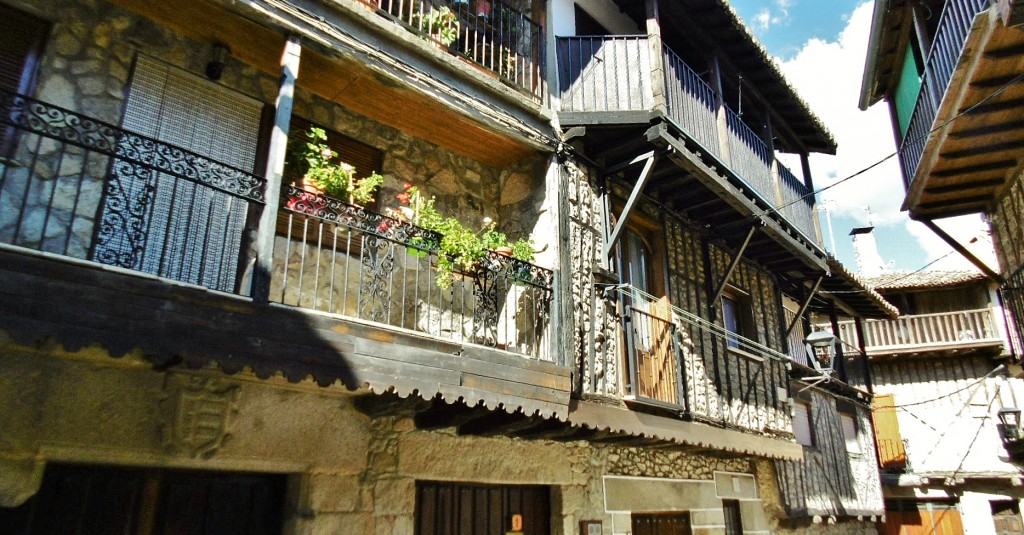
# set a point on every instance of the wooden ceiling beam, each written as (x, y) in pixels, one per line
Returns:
(984, 148)
(999, 165)
(974, 184)
(988, 129)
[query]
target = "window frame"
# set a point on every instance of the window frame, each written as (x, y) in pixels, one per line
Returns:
(853, 440)
(808, 418)
(742, 306)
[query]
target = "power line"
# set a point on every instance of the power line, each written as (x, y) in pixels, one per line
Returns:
(988, 375)
(997, 92)
(904, 276)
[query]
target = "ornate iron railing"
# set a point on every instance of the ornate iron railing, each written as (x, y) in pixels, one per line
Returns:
(947, 46)
(339, 258)
(742, 387)
(489, 33)
(79, 187)
(1012, 293)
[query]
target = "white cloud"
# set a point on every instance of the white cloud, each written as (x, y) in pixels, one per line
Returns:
(828, 76)
(763, 19)
(766, 17)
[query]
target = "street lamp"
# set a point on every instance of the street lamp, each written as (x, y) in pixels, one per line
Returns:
(1009, 423)
(821, 347)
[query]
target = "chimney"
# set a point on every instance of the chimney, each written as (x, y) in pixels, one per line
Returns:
(865, 251)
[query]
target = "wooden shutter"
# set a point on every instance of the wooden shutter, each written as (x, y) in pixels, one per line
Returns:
(891, 453)
(802, 423)
(23, 38)
(657, 362)
(849, 423)
(21, 44)
(193, 233)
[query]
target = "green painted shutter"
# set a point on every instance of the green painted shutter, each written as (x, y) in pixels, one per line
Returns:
(907, 89)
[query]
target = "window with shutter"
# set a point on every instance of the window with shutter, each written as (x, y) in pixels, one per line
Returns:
(849, 423)
(21, 43)
(802, 424)
(364, 158)
(891, 453)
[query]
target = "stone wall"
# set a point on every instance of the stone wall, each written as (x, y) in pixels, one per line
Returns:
(1009, 238)
(87, 65)
(349, 473)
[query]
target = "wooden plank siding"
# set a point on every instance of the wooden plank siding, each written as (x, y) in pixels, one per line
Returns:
(79, 304)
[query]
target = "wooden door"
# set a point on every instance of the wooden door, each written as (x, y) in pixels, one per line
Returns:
(661, 524)
(81, 500)
(471, 509)
(656, 359)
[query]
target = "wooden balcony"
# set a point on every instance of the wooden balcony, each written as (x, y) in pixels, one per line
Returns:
(606, 80)
(930, 334)
(964, 136)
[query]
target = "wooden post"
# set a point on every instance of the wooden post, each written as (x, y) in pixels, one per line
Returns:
(840, 360)
(858, 324)
(805, 167)
(657, 56)
(723, 120)
(260, 290)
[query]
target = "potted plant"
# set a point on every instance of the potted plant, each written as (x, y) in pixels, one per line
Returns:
(324, 175)
(461, 249)
(441, 24)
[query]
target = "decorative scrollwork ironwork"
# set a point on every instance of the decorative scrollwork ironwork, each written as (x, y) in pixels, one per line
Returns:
(48, 120)
(378, 265)
(358, 218)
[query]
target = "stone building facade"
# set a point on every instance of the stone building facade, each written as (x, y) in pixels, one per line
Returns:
(143, 365)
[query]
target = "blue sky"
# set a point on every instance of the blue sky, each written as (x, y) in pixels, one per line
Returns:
(785, 25)
(821, 46)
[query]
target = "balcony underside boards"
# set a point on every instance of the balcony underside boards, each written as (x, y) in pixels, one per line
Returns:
(699, 187)
(991, 347)
(967, 163)
(418, 103)
(599, 422)
(48, 299)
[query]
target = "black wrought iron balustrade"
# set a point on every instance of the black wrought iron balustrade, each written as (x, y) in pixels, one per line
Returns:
(947, 46)
(79, 187)
(489, 33)
(340, 258)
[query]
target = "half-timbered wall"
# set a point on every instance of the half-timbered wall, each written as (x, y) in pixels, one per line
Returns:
(835, 480)
(720, 384)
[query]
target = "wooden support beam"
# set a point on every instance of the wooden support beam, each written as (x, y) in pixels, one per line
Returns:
(803, 307)
(989, 129)
(1000, 165)
(267, 226)
(992, 275)
(735, 262)
(641, 181)
(974, 184)
(984, 148)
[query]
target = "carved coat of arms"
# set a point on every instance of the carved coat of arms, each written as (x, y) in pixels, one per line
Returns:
(197, 413)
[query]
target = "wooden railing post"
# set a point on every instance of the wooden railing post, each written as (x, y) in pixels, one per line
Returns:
(260, 289)
(657, 57)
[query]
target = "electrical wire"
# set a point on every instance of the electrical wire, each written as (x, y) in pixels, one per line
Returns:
(948, 394)
(1015, 80)
(904, 276)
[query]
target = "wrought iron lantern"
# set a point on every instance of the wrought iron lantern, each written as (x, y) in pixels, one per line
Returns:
(821, 348)
(1009, 424)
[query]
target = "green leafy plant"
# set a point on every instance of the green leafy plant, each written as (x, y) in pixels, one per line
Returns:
(460, 249)
(336, 179)
(441, 24)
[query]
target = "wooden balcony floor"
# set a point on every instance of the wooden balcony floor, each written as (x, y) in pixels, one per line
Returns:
(77, 304)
